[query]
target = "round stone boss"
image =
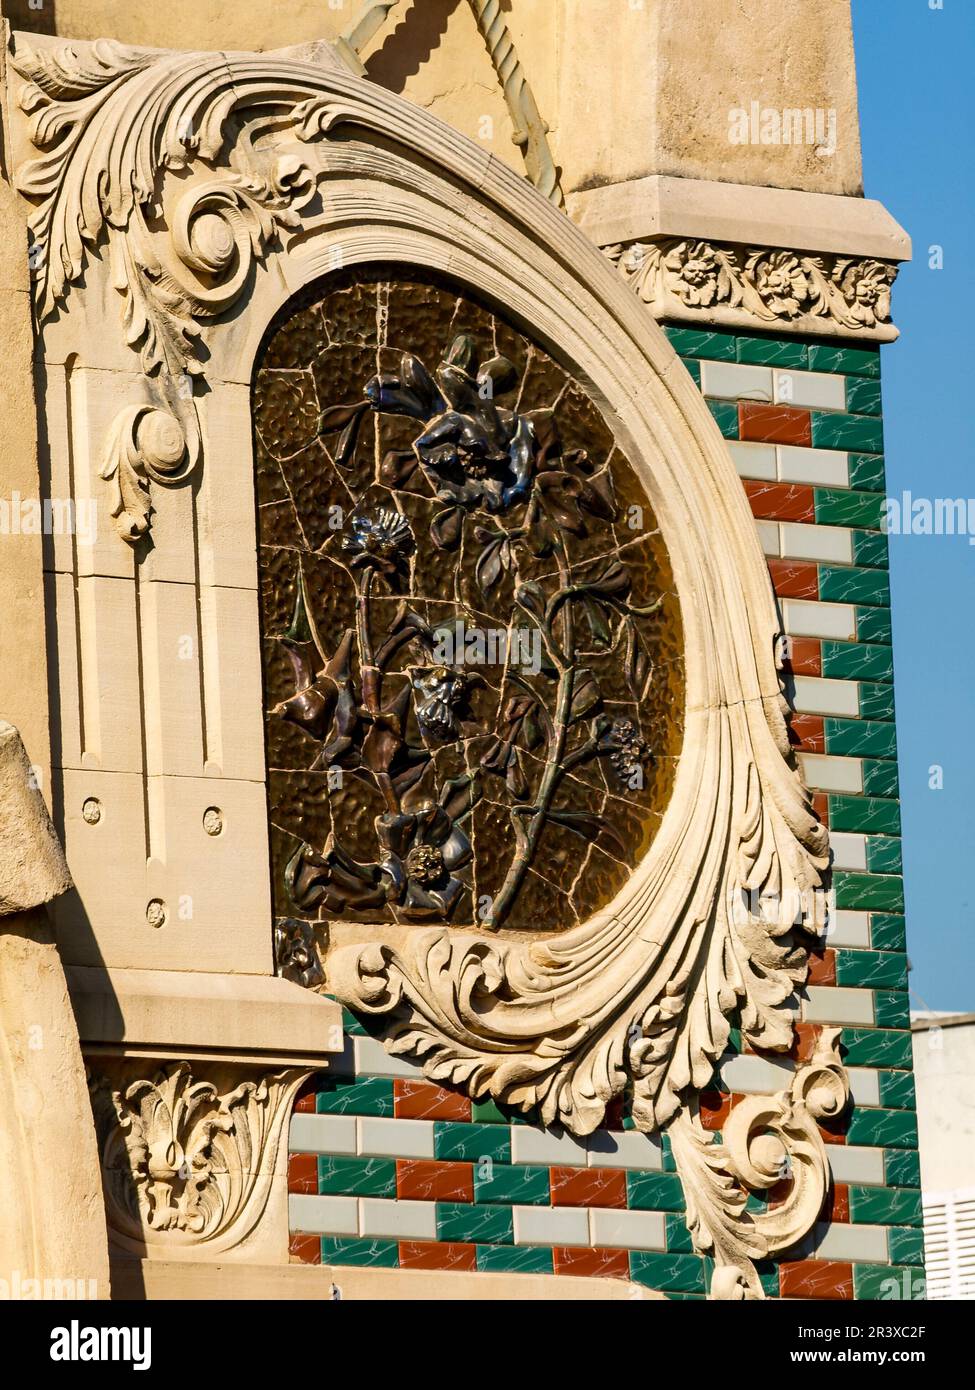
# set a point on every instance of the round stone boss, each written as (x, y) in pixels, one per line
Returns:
(472, 643)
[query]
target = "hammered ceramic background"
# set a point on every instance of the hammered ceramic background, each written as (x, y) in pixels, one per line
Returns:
(364, 539)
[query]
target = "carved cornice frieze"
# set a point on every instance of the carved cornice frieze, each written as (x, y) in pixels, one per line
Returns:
(759, 287)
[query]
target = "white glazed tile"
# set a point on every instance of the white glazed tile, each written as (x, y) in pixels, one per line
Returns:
(808, 618)
(824, 544)
(728, 381)
(820, 695)
(840, 1241)
(551, 1225)
(625, 1149)
(754, 460)
(753, 1075)
(851, 1163)
(846, 928)
(324, 1216)
(627, 1230)
(384, 1218)
(824, 773)
(372, 1059)
(864, 1085)
(531, 1145)
(395, 1138)
(322, 1134)
(809, 390)
(832, 1004)
(849, 851)
(818, 467)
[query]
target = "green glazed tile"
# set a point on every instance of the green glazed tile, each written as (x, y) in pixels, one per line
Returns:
(905, 1245)
(485, 1112)
(879, 777)
(855, 433)
(867, 472)
(871, 969)
(891, 1008)
(856, 661)
(666, 1149)
(773, 352)
(864, 815)
(678, 1236)
(696, 342)
(845, 584)
(885, 1206)
(860, 738)
(474, 1225)
(884, 855)
(694, 367)
(352, 1025)
(871, 550)
(734, 1041)
(873, 625)
(726, 414)
(686, 1297)
(654, 1191)
(887, 1283)
(888, 931)
(841, 507)
(677, 1273)
(383, 1254)
(471, 1143)
(861, 892)
(863, 396)
(897, 1090)
(825, 357)
(356, 1177)
(889, 1129)
(366, 1095)
(514, 1259)
(768, 1277)
(876, 1047)
(521, 1185)
(876, 701)
(902, 1168)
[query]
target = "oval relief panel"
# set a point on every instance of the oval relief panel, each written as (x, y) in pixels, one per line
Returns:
(472, 644)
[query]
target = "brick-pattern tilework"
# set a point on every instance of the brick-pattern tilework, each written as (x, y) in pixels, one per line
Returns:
(389, 1169)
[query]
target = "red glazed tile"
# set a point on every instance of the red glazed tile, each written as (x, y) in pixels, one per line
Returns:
(774, 424)
(833, 1131)
(781, 501)
(594, 1262)
(836, 1206)
(822, 968)
(425, 1180)
(807, 732)
(305, 1250)
(305, 1104)
(422, 1100)
(715, 1107)
(807, 1036)
(431, 1254)
(804, 656)
(303, 1173)
(794, 578)
(815, 1279)
(588, 1187)
(613, 1119)
(820, 804)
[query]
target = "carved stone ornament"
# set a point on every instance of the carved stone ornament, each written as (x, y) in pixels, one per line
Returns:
(210, 190)
(186, 1163)
(778, 290)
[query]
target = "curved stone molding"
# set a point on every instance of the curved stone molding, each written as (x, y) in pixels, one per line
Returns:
(767, 1140)
(187, 1163)
(708, 931)
(746, 287)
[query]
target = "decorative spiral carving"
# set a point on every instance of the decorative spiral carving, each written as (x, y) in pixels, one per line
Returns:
(145, 442)
(213, 230)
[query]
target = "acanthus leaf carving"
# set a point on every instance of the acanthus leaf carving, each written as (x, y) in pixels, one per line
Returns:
(188, 1162)
(767, 1141)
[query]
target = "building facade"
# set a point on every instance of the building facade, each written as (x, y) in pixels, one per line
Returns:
(450, 642)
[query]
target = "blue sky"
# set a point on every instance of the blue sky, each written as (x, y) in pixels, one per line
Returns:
(914, 67)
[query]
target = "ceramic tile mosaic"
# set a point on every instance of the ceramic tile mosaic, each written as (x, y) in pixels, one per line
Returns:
(484, 1189)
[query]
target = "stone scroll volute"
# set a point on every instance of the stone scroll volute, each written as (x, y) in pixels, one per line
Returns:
(179, 202)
